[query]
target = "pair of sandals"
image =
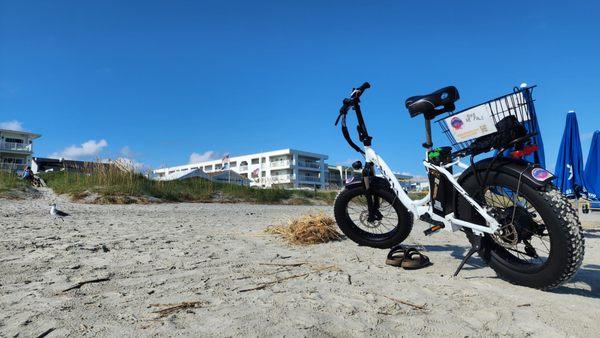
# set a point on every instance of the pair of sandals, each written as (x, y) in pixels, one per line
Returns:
(407, 258)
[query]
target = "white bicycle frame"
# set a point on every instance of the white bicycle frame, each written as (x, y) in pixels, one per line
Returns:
(421, 207)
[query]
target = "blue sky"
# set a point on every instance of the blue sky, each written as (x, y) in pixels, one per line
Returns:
(158, 81)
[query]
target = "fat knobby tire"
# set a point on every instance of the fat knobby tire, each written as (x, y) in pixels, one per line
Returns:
(565, 230)
(361, 237)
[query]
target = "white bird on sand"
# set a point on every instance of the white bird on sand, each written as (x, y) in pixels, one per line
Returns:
(57, 213)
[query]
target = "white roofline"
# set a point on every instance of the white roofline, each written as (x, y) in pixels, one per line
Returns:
(21, 132)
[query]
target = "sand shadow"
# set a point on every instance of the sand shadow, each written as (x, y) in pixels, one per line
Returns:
(458, 252)
(588, 274)
(591, 233)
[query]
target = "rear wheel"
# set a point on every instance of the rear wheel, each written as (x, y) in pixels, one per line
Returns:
(393, 223)
(540, 243)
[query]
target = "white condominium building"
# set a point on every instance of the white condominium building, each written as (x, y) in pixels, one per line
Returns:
(16, 148)
(286, 168)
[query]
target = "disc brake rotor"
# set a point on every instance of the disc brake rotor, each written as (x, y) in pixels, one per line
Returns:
(517, 226)
(364, 215)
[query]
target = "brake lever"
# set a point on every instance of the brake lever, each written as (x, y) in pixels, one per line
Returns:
(344, 110)
(338, 118)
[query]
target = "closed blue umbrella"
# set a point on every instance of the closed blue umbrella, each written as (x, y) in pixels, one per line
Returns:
(569, 166)
(592, 168)
(532, 125)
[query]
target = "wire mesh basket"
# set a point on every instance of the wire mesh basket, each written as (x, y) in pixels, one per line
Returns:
(463, 127)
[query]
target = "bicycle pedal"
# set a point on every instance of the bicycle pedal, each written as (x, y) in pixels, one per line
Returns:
(436, 225)
(433, 229)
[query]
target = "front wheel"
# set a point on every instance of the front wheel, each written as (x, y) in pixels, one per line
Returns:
(351, 214)
(540, 243)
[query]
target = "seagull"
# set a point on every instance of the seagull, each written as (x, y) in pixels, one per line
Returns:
(57, 213)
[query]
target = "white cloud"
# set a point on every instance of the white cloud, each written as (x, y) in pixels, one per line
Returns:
(205, 156)
(86, 149)
(133, 164)
(126, 151)
(349, 161)
(12, 125)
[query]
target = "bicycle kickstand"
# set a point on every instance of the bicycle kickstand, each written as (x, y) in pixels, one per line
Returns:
(474, 248)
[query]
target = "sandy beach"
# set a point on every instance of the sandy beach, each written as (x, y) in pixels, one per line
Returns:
(140, 259)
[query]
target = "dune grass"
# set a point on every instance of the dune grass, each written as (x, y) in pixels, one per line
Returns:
(8, 181)
(11, 183)
(114, 183)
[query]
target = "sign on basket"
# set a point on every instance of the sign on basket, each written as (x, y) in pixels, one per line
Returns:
(471, 123)
(481, 120)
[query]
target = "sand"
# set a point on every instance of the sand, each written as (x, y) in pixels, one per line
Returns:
(148, 256)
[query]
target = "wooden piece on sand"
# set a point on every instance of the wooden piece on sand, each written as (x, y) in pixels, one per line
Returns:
(400, 301)
(90, 281)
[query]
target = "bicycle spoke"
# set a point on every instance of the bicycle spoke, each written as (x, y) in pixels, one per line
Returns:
(357, 210)
(518, 227)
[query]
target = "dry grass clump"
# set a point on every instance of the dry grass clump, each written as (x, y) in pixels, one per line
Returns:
(308, 229)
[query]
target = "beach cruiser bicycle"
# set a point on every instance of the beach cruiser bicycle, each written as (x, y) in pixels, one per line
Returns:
(508, 208)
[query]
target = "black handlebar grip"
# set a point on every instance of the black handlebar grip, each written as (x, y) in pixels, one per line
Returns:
(364, 86)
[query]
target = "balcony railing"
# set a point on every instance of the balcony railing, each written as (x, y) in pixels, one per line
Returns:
(12, 166)
(281, 178)
(280, 164)
(15, 146)
(309, 178)
(306, 164)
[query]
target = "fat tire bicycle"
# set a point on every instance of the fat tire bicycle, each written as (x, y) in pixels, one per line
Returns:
(508, 208)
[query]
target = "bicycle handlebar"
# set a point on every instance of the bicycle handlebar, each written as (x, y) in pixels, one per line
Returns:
(354, 102)
(354, 97)
(358, 91)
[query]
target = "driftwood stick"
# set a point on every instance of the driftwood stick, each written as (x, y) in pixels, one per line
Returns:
(45, 333)
(284, 264)
(400, 301)
(172, 308)
(264, 285)
(80, 284)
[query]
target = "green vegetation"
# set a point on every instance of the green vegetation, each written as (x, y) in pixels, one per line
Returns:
(417, 195)
(10, 181)
(115, 186)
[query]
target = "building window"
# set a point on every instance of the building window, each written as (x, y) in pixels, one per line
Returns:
(13, 140)
(217, 166)
(12, 160)
(208, 167)
(254, 161)
(232, 164)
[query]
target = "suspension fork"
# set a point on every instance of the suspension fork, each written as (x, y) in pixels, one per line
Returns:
(373, 202)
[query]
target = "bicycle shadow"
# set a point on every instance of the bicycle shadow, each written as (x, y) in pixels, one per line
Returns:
(588, 274)
(591, 233)
(458, 252)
